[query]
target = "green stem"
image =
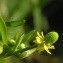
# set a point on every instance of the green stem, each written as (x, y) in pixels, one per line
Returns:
(22, 50)
(25, 49)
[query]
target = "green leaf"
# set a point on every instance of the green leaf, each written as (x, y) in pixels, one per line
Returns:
(26, 53)
(15, 23)
(28, 36)
(3, 31)
(18, 43)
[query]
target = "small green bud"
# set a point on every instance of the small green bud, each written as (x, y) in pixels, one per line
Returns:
(21, 46)
(51, 37)
(11, 42)
(21, 55)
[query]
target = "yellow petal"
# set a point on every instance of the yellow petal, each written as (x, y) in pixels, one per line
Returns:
(40, 48)
(39, 35)
(52, 47)
(42, 34)
(46, 48)
(38, 39)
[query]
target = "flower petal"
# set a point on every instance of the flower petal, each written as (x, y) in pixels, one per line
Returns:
(39, 35)
(42, 34)
(40, 48)
(38, 39)
(52, 47)
(46, 48)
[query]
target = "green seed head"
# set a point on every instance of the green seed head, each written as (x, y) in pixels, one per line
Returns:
(51, 37)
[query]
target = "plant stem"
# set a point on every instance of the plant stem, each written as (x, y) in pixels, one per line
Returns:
(22, 50)
(25, 49)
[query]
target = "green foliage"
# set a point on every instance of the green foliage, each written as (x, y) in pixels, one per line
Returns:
(28, 36)
(15, 23)
(18, 43)
(2, 60)
(3, 31)
(11, 47)
(26, 53)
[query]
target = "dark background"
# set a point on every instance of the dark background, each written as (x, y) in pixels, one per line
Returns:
(54, 13)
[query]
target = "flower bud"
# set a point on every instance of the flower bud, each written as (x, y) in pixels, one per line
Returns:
(11, 42)
(21, 46)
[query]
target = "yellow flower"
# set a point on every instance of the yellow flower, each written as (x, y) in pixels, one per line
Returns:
(41, 43)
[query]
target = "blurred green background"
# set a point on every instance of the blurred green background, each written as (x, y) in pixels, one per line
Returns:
(39, 15)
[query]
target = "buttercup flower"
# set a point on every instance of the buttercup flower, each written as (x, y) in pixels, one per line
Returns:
(42, 44)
